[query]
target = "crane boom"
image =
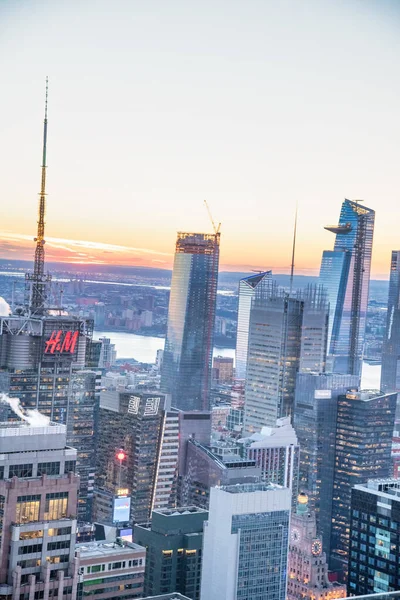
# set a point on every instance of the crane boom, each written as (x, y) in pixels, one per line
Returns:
(216, 229)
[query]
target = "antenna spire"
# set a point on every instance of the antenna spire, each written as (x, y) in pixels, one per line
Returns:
(38, 280)
(293, 251)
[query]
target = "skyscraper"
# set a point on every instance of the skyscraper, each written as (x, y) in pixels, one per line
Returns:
(345, 273)
(245, 547)
(287, 334)
(364, 431)
(314, 419)
(374, 554)
(186, 372)
(247, 288)
(390, 374)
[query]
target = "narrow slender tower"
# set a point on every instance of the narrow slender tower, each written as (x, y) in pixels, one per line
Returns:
(293, 252)
(37, 282)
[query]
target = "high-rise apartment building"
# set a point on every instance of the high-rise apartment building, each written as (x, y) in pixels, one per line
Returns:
(136, 457)
(173, 542)
(245, 549)
(187, 363)
(390, 373)
(308, 567)
(275, 450)
(374, 552)
(345, 273)
(247, 288)
(42, 362)
(314, 419)
(364, 431)
(38, 499)
(287, 334)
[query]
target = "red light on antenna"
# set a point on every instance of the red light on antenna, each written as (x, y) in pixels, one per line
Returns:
(121, 455)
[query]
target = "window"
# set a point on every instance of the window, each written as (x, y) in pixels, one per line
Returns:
(30, 549)
(27, 509)
(20, 471)
(31, 535)
(54, 560)
(1, 472)
(70, 466)
(58, 545)
(59, 531)
(56, 506)
(48, 468)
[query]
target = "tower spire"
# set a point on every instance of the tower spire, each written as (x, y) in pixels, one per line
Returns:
(38, 281)
(293, 251)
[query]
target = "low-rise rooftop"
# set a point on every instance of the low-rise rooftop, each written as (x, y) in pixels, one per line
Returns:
(95, 550)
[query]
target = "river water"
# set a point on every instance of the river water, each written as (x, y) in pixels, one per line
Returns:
(144, 349)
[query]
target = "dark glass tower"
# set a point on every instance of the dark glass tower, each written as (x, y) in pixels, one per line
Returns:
(187, 364)
(345, 272)
(364, 431)
(390, 375)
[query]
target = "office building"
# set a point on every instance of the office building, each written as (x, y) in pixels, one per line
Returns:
(38, 497)
(390, 373)
(112, 569)
(364, 430)
(276, 451)
(136, 457)
(247, 288)
(314, 419)
(174, 596)
(287, 335)
(206, 468)
(245, 549)
(307, 566)
(374, 552)
(173, 542)
(187, 362)
(345, 273)
(108, 354)
(223, 369)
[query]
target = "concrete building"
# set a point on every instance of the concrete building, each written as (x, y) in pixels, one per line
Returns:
(223, 369)
(374, 552)
(38, 498)
(173, 541)
(108, 354)
(112, 570)
(245, 548)
(314, 420)
(308, 567)
(276, 452)
(364, 431)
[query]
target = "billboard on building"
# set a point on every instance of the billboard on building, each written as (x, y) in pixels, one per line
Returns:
(121, 509)
(126, 534)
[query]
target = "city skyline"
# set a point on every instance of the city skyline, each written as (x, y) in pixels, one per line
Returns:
(140, 128)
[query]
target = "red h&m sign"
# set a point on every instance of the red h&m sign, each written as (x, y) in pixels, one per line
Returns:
(62, 342)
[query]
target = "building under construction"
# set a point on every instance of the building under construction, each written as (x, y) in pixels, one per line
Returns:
(43, 353)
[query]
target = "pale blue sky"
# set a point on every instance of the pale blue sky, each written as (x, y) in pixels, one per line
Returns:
(157, 104)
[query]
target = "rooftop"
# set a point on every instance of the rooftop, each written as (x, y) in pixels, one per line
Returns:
(185, 510)
(366, 395)
(106, 549)
(173, 596)
(243, 488)
(20, 436)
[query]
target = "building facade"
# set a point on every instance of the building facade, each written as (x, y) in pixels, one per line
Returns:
(390, 373)
(245, 548)
(173, 542)
(307, 566)
(112, 569)
(38, 497)
(364, 431)
(314, 419)
(187, 362)
(247, 288)
(345, 273)
(374, 553)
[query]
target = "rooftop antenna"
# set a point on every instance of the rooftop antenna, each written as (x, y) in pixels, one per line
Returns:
(38, 281)
(293, 252)
(216, 229)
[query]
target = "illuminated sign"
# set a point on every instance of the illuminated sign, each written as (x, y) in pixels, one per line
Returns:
(323, 394)
(133, 406)
(151, 407)
(122, 491)
(61, 342)
(121, 511)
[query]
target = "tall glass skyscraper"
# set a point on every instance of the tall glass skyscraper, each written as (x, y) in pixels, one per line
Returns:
(345, 272)
(390, 374)
(187, 364)
(247, 289)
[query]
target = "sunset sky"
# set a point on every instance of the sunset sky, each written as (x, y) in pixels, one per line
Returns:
(155, 105)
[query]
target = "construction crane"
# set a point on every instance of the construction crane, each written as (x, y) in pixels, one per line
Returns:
(216, 229)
